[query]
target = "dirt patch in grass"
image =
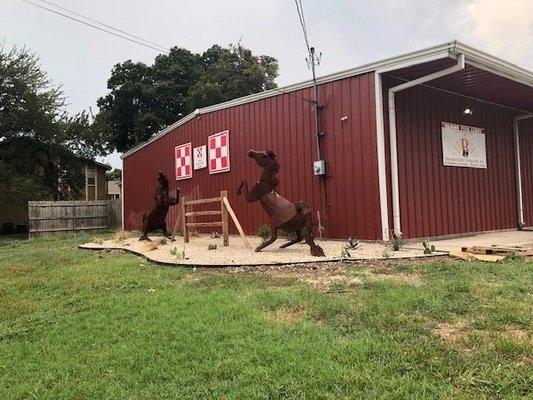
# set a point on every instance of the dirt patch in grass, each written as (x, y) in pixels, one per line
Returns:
(19, 307)
(324, 277)
(527, 360)
(193, 277)
(517, 334)
(452, 332)
(19, 269)
(286, 315)
(460, 333)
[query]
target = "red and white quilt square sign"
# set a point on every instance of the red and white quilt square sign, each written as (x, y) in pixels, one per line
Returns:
(218, 145)
(183, 154)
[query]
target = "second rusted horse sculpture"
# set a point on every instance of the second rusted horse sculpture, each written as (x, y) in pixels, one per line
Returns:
(156, 219)
(283, 214)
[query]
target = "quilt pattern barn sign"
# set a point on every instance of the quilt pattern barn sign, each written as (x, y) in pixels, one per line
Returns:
(218, 147)
(463, 146)
(183, 155)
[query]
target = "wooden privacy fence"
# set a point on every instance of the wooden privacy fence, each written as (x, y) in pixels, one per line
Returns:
(50, 217)
(186, 214)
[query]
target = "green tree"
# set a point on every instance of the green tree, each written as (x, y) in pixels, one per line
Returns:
(114, 175)
(143, 99)
(41, 147)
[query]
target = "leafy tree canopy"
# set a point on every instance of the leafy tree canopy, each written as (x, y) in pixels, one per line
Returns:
(143, 99)
(40, 145)
(114, 174)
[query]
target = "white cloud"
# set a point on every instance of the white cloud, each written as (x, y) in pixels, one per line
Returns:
(504, 28)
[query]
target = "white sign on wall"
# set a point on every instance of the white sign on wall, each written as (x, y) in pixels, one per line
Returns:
(200, 157)
(463, 146)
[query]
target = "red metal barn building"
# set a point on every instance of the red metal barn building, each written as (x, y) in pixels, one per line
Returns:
(432, 143)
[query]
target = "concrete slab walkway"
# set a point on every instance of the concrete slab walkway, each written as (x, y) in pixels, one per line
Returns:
(508, 238)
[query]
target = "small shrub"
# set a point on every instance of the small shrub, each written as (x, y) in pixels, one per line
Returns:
(264, 232)
(178, 254)
(345, 253)
(98, 240)
(513, 257)
(396, 241)
(428, 247)
(386, 253)
(163, 241)
(352, 243)
(212, 247)
(120, 236)
(215, 235)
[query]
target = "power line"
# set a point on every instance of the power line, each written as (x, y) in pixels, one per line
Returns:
(101, 23)
(300, 10)
(159, 49)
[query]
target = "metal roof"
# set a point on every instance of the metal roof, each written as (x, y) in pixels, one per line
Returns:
(475, 83)
(477, 60)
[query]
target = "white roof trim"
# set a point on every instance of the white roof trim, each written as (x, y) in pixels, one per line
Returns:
(473, 56)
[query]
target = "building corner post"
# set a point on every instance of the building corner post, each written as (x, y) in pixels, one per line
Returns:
(518, 169)
(382, 172)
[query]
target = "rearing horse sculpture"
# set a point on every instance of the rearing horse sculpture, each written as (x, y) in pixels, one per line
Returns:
(156, 218)
(283, 214)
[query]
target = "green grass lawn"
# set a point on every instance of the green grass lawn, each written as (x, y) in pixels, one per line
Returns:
(78, 324)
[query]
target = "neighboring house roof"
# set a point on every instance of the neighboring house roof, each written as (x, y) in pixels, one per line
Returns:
(473, 57)
(114, 187)
(99, 164)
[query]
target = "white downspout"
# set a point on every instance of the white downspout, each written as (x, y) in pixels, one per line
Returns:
(519, 193)
(382, 169)
(392, 133)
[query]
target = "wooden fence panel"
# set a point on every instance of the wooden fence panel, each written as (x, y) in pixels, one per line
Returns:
(50, 217)
(114, 213)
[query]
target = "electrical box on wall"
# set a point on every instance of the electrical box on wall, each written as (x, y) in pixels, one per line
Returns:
(319, 167)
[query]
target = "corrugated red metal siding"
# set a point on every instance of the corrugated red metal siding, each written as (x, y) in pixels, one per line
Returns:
(437, 200)
(283, 123)
(525, 129)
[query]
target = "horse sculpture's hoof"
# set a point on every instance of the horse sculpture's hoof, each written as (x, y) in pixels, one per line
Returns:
(317, 251)
(144, 237)
(258, 250)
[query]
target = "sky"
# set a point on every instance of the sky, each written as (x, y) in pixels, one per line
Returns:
(348, 33)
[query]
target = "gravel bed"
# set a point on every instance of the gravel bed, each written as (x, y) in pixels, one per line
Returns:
(236, 254)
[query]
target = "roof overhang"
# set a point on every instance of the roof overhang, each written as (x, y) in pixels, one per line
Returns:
(481, 79)
(98, 164)
(409, 64)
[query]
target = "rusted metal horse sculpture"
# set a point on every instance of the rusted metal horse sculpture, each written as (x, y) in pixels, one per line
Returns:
(156, 219)
(283, 214)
